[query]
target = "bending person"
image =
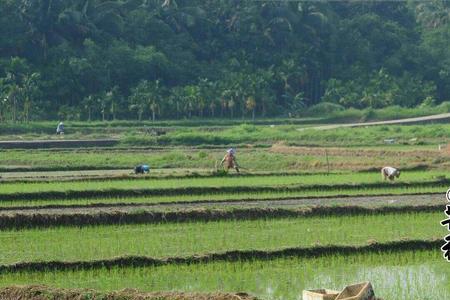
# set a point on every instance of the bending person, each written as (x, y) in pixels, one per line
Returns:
(390, 173)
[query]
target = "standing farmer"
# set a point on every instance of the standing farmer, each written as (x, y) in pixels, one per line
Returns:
(60, 128)
(230, 160)
(389, 172)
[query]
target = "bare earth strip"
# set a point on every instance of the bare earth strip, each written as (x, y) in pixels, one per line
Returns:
(365, 201)
(96, 174)
(45, 293)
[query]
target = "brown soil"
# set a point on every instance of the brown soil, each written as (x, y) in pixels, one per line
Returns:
(363, 201)
(355, 152)
(120, 174)
(201, 190)
(197, 215)
(46, 293)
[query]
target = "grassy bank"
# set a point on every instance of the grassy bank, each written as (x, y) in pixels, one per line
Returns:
(430, 134)
(274, 159)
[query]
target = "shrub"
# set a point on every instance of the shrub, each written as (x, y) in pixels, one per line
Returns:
(324, 109)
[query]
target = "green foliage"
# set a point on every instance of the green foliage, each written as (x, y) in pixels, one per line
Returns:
(379, 90)
(101, 60)
(324, 109)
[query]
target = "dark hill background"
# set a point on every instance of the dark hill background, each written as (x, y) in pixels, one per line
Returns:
(173, 59)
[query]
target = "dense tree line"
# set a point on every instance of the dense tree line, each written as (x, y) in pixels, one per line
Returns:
(102, 60)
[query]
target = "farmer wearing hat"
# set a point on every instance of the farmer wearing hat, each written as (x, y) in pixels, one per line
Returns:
(230, 160)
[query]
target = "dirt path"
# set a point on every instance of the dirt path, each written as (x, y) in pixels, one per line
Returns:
(389, 122)
(42, 293)
(97, 174)
(367, 201)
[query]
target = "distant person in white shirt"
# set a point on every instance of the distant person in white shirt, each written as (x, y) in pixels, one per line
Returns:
(390, 172)
(60, 128)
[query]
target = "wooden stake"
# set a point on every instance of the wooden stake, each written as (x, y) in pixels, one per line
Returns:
(328, 163)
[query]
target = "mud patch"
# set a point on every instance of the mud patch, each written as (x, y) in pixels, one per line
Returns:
(47, 293)
(356, 152)
(20, 221)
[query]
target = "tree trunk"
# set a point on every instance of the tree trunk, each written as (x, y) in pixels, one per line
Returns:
(153, 115)
(243, 108)
(89, 114)
(14, 109)
(27, 111)
(113, 111)
(45, 47)
(253, 114)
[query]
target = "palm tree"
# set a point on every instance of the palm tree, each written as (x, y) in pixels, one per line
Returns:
(176, 99)
(231, 104)
(146, 94)
(29, 92)
(251, 105)
(114, 100)
(89, 17)
(41, 17)
(433, 13)
(192, 94)
(89, 103)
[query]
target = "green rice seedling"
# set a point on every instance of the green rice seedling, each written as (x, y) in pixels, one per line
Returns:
(182, 239)
(229, 197)
(235, 181)
(395, 276)
(269, 158)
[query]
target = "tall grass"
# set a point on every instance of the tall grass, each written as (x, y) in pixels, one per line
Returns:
(253, 159)
(334, 113)
(266, 132)
(374, 135)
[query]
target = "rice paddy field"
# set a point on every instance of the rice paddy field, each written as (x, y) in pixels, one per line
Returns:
(297, 217)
